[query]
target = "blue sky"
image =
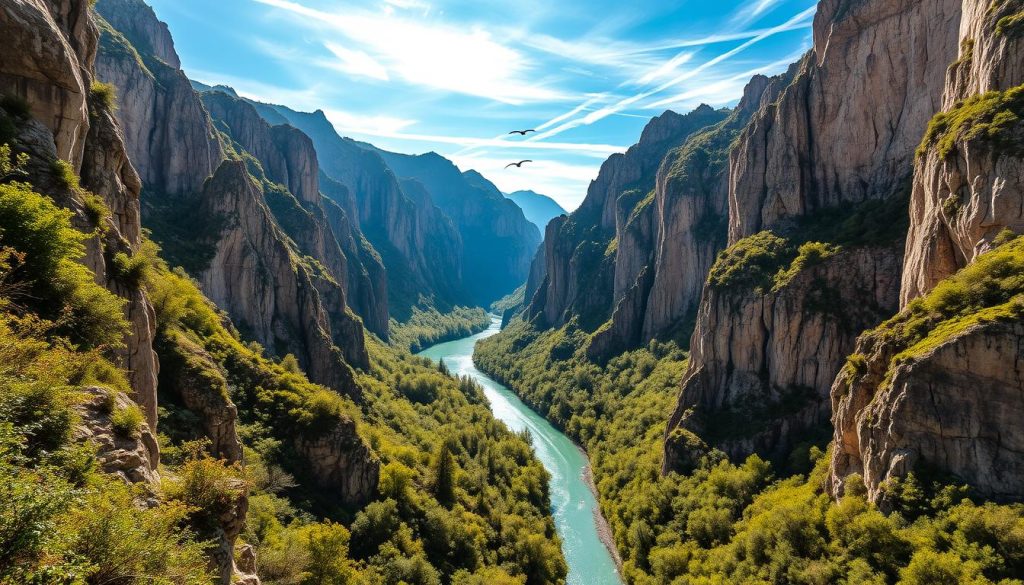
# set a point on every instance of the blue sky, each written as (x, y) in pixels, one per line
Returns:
(454, 76)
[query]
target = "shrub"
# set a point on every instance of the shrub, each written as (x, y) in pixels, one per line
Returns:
(751, 262)
(132, 271)
(121, 542)
(95, 209)
(65, 174)
(54, 282)
(988, 117)
(105, 94)
(127, 421)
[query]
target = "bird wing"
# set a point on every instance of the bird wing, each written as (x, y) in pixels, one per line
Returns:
(514, 132)
(525, 161)
(525, 131)
(510, 165)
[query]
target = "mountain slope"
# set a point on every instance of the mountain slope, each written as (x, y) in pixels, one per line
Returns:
(538, 209)
(498, 241)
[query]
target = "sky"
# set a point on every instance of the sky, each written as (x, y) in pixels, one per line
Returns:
(455, 76)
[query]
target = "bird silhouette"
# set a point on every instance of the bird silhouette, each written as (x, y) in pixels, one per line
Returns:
(521, 132)
(518, 165)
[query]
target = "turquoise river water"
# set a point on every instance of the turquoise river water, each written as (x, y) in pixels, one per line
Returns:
(572, 502)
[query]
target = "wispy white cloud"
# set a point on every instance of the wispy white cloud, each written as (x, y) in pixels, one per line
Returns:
(721, 91)
(373, 125)
(352, 127)
(435, 55)
(667, 68)
(748, 14)
(625, 103)
(357, 62)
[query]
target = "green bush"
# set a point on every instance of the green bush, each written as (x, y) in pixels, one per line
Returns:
(751, 262)
(96, 210)
(132, 271)
(127, 421)
(989, 117)
(104, 94)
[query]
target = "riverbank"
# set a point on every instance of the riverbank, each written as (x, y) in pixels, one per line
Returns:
(584, 533)
(604, 529)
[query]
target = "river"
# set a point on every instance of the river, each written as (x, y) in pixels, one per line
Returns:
(573, 504)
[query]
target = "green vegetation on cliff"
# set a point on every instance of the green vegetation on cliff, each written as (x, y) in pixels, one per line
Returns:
(989, 117)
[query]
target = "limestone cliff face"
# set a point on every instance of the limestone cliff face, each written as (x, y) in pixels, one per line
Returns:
(955, 410)
(965, 196)
(256, 278)
(498, 241)
(667, 243)
(287, 158)
(762, 363)
(953, 406)
(596, 256)
(417, 243)
(841, 134)
(845, 129)
(341, 462)
(50, 66)
(168, 132)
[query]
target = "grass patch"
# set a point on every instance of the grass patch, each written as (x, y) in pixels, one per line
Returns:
(989, 117)
(104, 94)
(127, 421)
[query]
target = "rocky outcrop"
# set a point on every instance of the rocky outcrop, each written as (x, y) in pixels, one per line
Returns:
(762, 362)
(969, 185)
(287, 158)
(256, 278)
(840, 135)
(955, 410)
(50, 47)
(192, 376)
(498, 241)
(340, 461)
(944, 396)
(417, 243)
(844, 131)
(131, 457)
(598, 253)
(168, 132)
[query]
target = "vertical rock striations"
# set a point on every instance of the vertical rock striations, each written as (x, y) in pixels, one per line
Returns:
(938, 389)
(602, 253)
(815, 179)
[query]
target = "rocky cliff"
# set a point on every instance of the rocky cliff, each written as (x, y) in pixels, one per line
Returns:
(419, 246)
(936, 390)
(179, 148)
(498, 241)
(290, 177)
(808, 167)
(51, 68)
(602, 255)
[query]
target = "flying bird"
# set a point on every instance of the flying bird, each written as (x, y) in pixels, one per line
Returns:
(518, 165)
(522, 132)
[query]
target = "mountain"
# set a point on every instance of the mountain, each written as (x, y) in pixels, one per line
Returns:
(538, 209)
(498, 241)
